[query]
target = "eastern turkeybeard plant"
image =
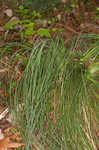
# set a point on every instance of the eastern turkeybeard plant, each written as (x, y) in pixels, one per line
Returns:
(59, 95)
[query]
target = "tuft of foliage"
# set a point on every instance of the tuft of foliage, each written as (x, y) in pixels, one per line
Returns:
(58, 95)
(40, 4)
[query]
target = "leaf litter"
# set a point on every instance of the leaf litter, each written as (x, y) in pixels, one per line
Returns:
(7, 142)
(8, 138)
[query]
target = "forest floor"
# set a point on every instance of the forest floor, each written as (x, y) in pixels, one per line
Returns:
(22, 26)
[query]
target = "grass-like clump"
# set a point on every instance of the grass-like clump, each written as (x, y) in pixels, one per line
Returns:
(59, 95)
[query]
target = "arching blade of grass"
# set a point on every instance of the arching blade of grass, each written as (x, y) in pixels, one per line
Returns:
(56, 93)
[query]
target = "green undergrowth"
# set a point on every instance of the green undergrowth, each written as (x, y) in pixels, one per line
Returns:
(57, 96)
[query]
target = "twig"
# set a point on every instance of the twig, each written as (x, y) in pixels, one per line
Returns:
(4, 113)
(78, 38)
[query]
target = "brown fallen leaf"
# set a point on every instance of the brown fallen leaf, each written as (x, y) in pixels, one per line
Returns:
(7, 142)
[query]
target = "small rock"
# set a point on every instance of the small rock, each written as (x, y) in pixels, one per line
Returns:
(8, 12)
